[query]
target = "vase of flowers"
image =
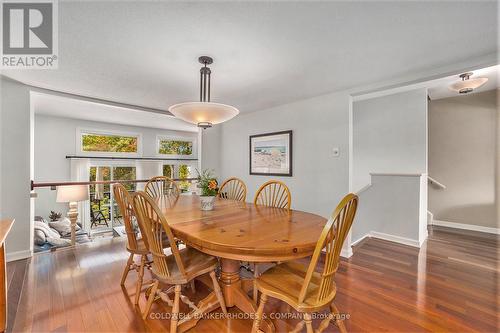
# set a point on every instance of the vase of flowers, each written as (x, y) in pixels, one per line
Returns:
(209, 189)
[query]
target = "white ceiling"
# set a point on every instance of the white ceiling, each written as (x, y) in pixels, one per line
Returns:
(266, 53)
(438, 89)
(69, 107)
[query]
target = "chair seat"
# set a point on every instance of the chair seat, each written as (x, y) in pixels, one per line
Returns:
(195, 263)
(285, 281)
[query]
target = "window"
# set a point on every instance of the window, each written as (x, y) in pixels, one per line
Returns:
(104, 211)
(184, 172)
(168, 171)
(100, 198)
(109, 143)
(176, 146)
(180, 172)
(125, 173)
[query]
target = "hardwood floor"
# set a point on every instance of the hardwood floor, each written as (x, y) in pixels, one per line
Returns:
(451, 284)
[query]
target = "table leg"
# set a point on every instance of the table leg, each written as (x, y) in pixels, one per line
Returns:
(234, 295)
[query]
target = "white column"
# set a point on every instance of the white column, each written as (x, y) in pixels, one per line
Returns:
(80, 172)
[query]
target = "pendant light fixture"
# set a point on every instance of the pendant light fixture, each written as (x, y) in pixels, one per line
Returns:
(204, 113)
(467, 84)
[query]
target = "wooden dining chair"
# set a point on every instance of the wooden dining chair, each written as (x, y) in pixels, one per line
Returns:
(304, 288)
(276, 194)
(135, 245)
(233, 189)
(273, 194)
(162, 186)
(176, 269)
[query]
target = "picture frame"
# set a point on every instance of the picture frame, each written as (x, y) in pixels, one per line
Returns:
(270, 154)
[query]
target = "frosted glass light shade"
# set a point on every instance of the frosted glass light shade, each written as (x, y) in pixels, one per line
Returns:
(72, 193)
(468, 85)
(203, 112)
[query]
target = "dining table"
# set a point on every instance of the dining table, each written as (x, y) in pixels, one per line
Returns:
(236, 232)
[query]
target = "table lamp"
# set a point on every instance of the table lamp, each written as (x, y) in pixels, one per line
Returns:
(72, 194)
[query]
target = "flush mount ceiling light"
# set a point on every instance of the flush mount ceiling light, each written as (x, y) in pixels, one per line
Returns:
(204, 113)
(467, 84)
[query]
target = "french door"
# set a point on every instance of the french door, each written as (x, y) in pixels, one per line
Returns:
(104, 212)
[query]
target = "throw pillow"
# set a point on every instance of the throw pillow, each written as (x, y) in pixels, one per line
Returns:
(63, 226)
(39, 237)
(77, 226)
(41, 219)
(49, 232)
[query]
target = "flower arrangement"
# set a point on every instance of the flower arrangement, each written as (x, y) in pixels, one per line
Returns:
(208, 183)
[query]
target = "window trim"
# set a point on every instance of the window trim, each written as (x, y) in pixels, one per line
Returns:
(194, 141)
(82, 131)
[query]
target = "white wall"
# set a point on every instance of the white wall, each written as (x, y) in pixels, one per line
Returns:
(497, 171)
(319, 124)
(56, 137)
(391, 208)
(390, 138)
(389, 135)
(462, 156)
(211, 148)
(15, 133)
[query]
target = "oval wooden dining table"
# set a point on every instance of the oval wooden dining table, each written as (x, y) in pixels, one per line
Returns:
(238, 231)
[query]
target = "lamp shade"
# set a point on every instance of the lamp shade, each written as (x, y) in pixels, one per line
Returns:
(203, 112)
(72, 193)
(468, 84)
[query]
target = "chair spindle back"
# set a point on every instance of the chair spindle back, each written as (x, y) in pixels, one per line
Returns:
(331, 239)
(125, 204)
(161, 186)
(233, 189)
(154, 225)
(273, 194)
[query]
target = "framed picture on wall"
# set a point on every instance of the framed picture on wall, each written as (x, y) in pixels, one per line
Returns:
(271, 154)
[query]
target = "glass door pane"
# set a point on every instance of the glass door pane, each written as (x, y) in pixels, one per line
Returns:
(185, 171)
(100, 198)
(122, 173)
(168, 171)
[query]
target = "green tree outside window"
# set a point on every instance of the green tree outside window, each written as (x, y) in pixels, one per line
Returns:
(168, 171)
(109, 143)
(183, 174)
(176, 147)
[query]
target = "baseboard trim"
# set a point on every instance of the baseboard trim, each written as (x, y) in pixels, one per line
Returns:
(387, 237)
(356, 242)
(18, 255)
(463, 226)
(346, 253)
(395, 239)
